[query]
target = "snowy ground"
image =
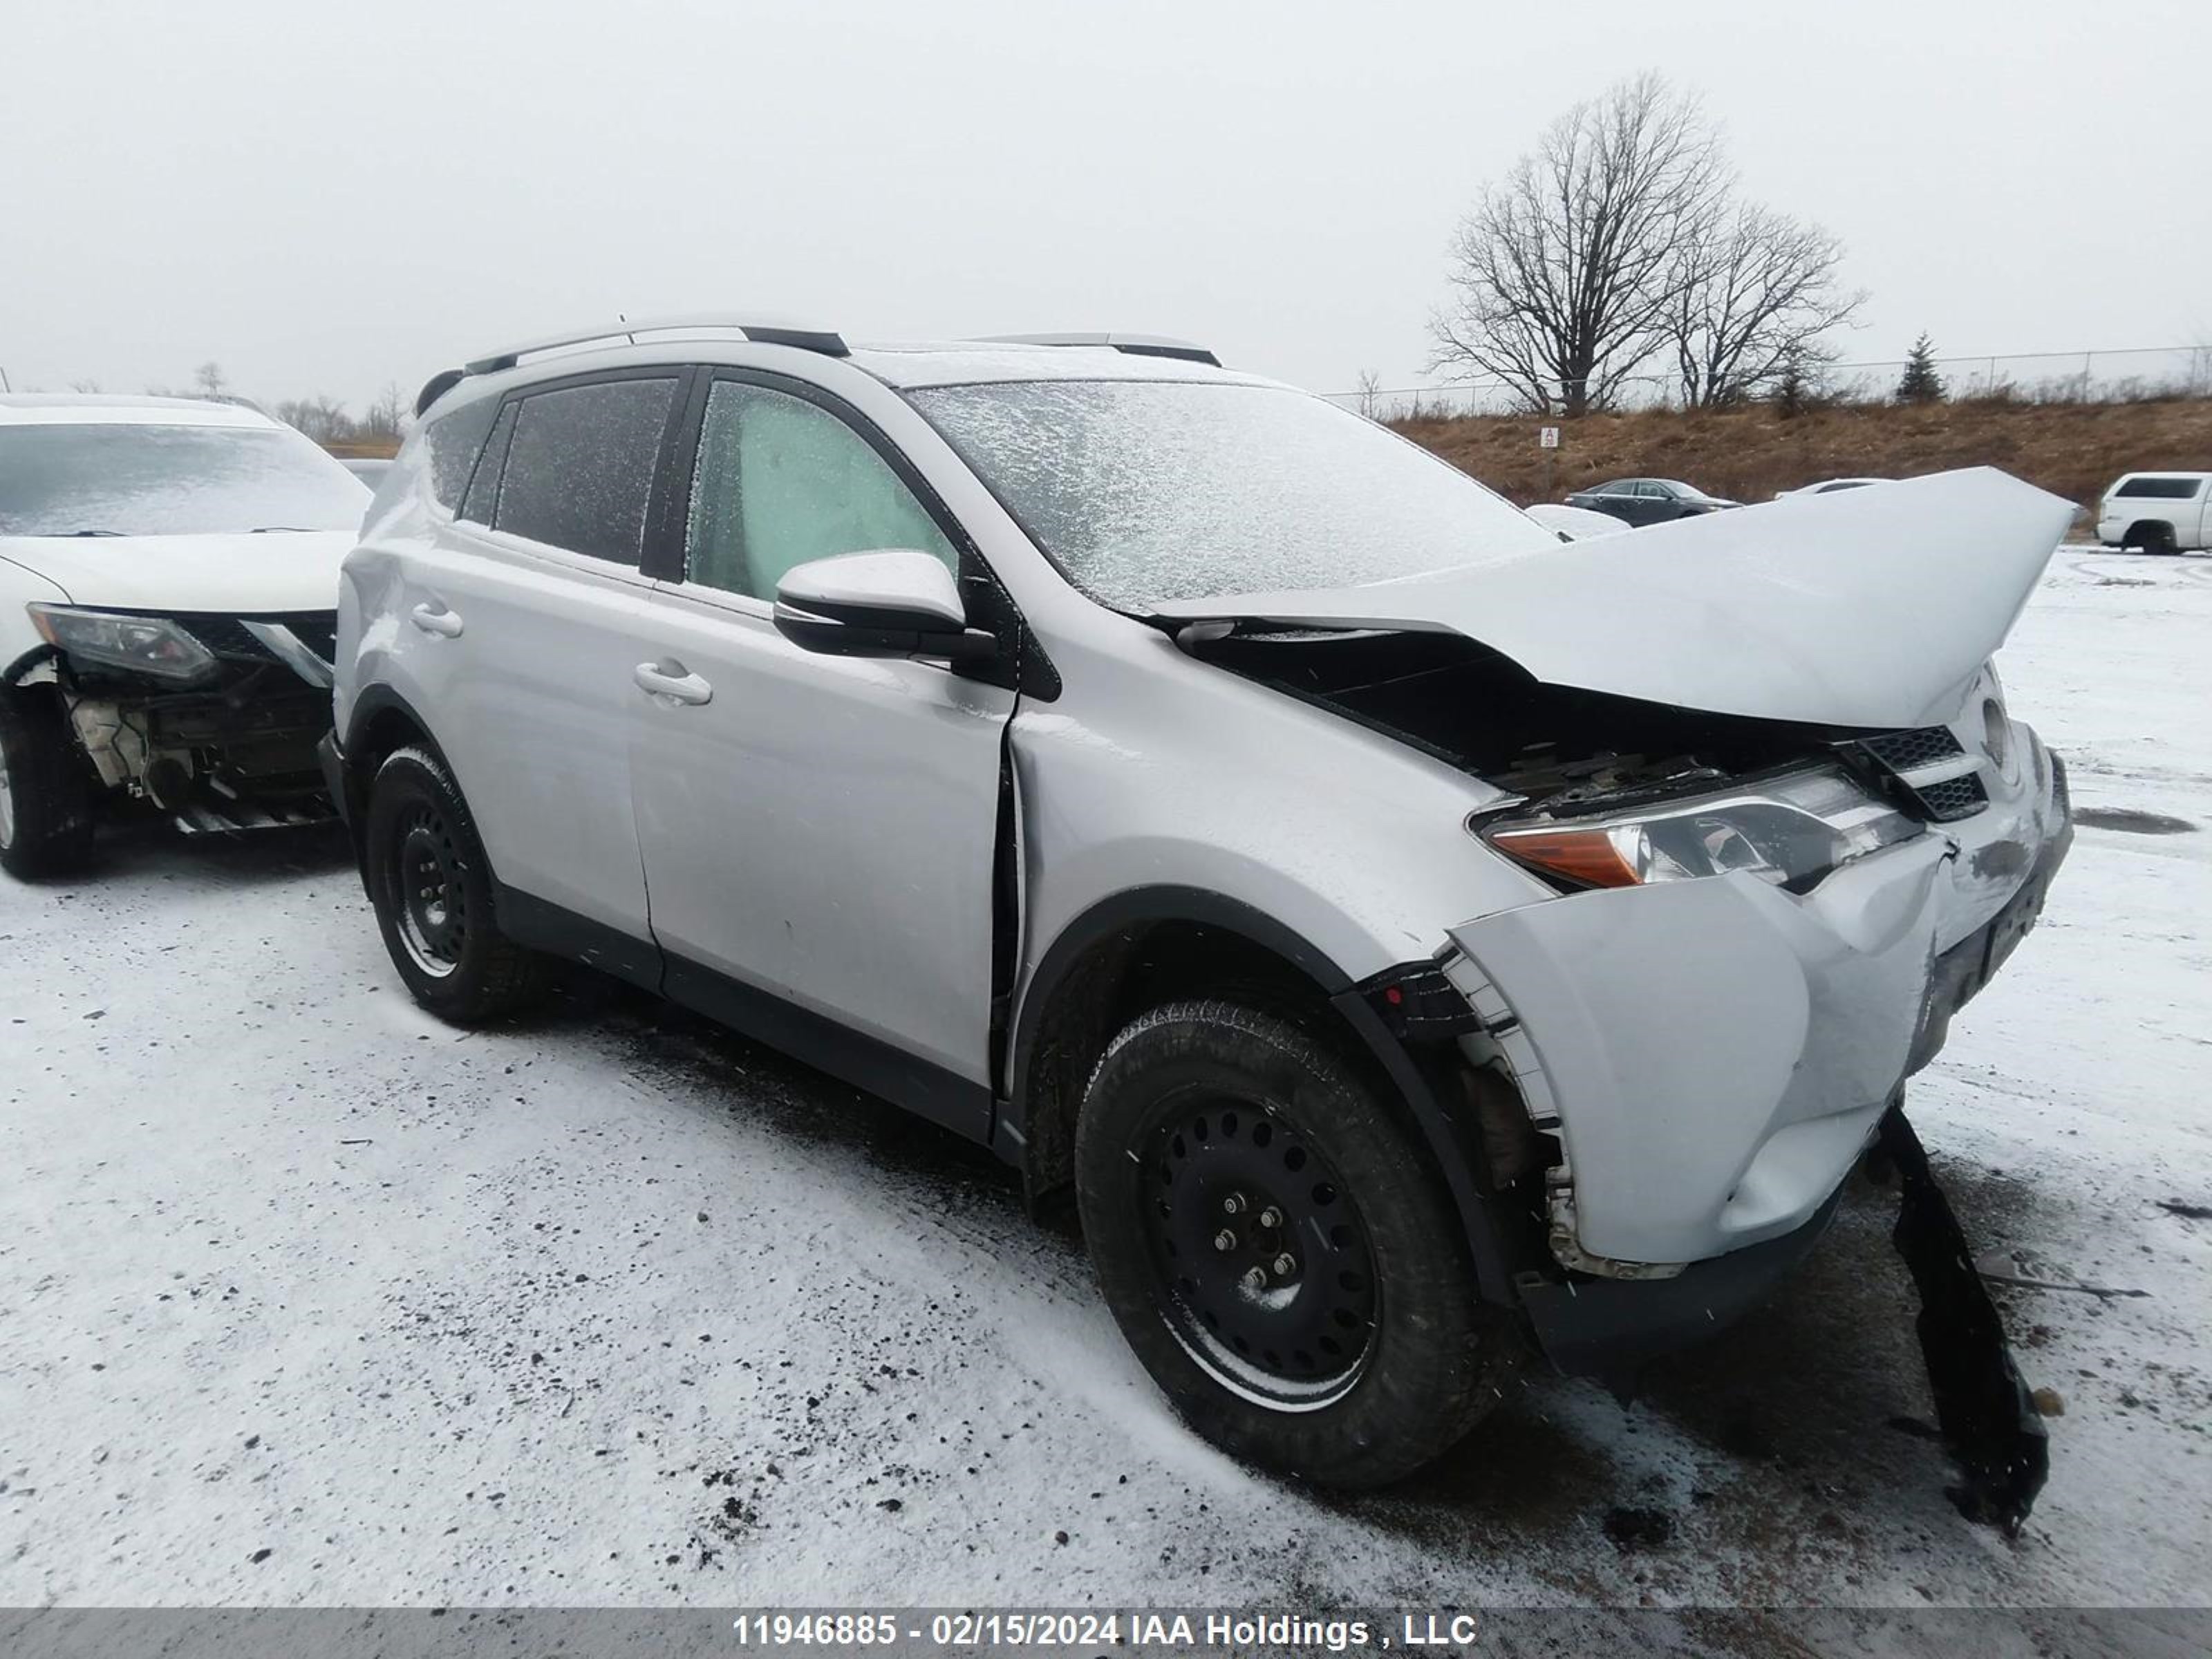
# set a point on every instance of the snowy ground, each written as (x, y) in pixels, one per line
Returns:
(305, 1298)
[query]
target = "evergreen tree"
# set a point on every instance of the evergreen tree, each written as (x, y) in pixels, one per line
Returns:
(1920, 383)
(1793, 386)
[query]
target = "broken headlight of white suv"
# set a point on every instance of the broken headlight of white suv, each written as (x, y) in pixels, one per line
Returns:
(1790, 828)
(112, 639)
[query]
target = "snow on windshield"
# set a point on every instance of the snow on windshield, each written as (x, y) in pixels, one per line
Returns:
(1151, 491)
(123, 479)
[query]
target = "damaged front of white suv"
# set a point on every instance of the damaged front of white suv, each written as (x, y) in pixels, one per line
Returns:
(167, 590)
(1764, 765)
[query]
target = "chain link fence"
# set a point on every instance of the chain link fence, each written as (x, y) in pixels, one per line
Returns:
(2043, 377)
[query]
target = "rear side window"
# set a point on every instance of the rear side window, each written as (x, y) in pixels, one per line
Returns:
(580, 466)
(2162, 490)
(453, 442)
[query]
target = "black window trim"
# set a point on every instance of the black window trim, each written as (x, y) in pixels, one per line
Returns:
(1025, 668)
(651, 549)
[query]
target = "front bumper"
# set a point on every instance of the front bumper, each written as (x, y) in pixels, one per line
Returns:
(1713, 1056)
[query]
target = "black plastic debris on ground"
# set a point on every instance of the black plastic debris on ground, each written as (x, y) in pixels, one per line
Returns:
(1984, 1407)
(1631, 1528)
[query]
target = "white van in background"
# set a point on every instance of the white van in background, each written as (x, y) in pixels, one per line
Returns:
(2158, 511)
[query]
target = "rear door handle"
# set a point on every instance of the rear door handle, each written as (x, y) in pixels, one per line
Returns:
(669, 679)
(436, 619)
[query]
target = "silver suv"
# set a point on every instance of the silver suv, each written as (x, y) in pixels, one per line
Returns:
(1412, 940)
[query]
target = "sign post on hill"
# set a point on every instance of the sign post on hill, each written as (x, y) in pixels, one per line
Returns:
(1548, 440)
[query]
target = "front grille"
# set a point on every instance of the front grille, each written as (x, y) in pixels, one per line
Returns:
(1901, 751)
(1956, 798)
(1903, 760)
(230, 639)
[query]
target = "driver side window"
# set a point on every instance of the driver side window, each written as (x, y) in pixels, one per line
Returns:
(780, 481)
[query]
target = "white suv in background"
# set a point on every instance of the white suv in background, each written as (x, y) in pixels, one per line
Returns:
(2158, 511)
(168, 570)
(1407, 935)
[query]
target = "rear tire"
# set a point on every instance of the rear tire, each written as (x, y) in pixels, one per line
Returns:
(2151, 538)
(431, 885)
(1278, 1250)
(47, 797)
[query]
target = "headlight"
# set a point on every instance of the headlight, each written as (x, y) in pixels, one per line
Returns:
(143, 644)
(1790, 831)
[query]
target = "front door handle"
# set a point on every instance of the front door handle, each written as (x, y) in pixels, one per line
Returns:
(669, 679)
(436, 619)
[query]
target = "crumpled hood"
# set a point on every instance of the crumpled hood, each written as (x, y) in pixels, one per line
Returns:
(240, 574)
(1871, 607)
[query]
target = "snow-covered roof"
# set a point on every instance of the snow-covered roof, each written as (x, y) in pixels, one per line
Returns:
(96, 408)
(912, 364)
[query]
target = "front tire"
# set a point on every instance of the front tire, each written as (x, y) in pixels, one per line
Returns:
(431, 885)
(1278, 1251)
(46, 815)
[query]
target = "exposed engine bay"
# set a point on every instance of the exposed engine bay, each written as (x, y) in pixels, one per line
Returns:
(232, 748)
(1567, 752)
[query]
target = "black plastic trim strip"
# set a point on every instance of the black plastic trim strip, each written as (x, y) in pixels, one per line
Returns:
(921, 1087)
(828, 1045)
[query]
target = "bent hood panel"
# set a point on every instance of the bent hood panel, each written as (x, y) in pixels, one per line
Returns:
(1866, 607)
(238, 574)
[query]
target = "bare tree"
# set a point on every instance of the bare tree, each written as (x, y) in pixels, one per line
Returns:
(323, 419)
(1752, 298)
(383, 416)
(1564, 273)
(208, 381)
(1370, 394)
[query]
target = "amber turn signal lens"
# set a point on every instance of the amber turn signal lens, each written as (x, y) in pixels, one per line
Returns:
(1588, 856)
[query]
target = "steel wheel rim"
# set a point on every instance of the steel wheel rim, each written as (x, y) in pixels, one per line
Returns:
(7, 803)
(424, 876)
(1298, 1337)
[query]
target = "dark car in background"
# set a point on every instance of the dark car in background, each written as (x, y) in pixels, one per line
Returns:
(1648, 501)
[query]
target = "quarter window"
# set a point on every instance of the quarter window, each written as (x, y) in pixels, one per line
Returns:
(580, 467)
(453, 442)
(780, 481)
(483, 489)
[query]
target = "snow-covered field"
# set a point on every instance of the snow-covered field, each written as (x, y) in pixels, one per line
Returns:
(305, 1298)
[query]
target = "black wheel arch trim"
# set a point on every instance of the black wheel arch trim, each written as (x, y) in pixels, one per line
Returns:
(343, 774)
(1450, 1139)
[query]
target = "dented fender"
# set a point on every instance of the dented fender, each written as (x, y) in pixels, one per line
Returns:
(1716, 1053)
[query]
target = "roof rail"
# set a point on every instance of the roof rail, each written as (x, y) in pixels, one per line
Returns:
(759, 329)
(1137, 345)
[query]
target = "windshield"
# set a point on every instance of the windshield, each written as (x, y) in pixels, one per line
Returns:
(132, 480)
(1146, 491)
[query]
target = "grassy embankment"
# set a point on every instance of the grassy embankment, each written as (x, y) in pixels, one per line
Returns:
(2073, 450)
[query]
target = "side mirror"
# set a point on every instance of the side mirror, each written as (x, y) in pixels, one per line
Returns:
(897, 602)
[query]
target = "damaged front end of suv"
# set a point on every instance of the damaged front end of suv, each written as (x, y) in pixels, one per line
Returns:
(168, 573)
(209, 719)
(1760, 922)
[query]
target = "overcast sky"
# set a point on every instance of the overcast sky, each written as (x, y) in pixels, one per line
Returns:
(325, 198)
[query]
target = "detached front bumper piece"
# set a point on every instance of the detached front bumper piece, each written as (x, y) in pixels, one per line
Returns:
(1982, 1405)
